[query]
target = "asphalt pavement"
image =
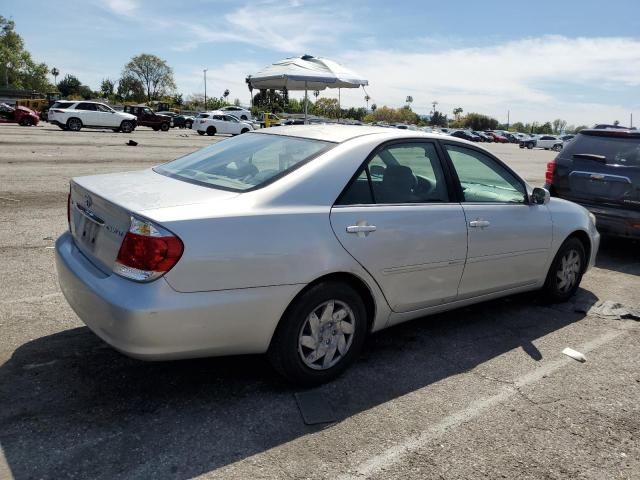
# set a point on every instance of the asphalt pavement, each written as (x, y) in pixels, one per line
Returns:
(480, 392)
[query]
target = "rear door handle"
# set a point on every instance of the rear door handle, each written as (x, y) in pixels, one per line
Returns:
(479, 223)
(362, 229)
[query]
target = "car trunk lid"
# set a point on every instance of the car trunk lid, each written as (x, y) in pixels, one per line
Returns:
(100, 208)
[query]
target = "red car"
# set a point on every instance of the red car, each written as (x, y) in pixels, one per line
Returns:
(497, 137)
(20, 115)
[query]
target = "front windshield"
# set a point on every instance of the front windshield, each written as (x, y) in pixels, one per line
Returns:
(244, 162)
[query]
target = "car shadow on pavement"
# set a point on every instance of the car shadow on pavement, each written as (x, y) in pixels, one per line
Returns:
(619, 255)
(70, 406)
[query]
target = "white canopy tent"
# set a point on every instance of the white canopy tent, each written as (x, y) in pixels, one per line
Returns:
(306, 73)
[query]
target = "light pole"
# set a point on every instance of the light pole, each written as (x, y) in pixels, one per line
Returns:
(205, 88)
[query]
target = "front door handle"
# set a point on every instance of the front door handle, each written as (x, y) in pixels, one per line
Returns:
(479, 223)
(362, 229)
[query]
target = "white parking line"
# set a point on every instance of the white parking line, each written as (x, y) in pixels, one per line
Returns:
(395, 454)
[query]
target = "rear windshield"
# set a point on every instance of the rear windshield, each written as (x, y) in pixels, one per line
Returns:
(62, 104)
(244, 162)
(616, 150)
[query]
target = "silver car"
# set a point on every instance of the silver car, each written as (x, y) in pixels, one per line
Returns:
(299, 241)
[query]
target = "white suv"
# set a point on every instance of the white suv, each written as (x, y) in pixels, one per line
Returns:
(217, 122)
(74, 115)
(239, 112)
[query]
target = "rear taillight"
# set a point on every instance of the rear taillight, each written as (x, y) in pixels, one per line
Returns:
(548, 175)
(148, 251)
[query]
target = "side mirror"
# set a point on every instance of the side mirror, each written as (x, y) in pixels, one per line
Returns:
(540, 196)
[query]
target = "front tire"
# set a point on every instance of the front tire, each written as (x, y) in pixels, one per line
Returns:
(530, 146)
(320, 334)
(188, 125)
(126, 127)
(565, 273)
(211, 131)
(74, 124)
(26, 122)
(200, 132)
(244, 130)
(557, 148)
(164, 127)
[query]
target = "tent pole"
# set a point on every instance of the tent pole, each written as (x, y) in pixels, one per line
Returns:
(339, 108)
(305, 102)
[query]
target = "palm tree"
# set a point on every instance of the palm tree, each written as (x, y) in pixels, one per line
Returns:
(55, 72)
(250, 87)
(366, 99)
(374, 107)
(456, 112)
(409, 100)
(226, 95)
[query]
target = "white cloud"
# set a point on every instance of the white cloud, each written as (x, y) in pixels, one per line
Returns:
(523, 76)
(122, 7)
(288, 27)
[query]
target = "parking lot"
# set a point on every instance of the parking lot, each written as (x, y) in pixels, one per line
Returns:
(487, 384)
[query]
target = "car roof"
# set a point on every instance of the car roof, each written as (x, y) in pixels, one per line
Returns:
(342, 133)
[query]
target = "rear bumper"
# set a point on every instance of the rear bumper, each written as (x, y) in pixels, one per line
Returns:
(619, 223)
(151, 321)
(615, 221)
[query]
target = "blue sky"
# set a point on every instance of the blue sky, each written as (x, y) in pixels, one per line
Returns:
(577, 60)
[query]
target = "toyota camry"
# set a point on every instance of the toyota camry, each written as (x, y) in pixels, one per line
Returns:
(299, 241)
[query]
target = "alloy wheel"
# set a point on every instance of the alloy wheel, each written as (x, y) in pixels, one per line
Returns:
(326, 335)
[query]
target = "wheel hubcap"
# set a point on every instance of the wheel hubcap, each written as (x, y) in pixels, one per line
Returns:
(568, 271)
(326, 335)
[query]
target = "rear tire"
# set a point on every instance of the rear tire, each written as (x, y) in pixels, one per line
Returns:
(557, 148)
(26, 122)
(565, 273)
(320, 334)
(74, 124)
(530, 146)
(126, 127)
(188, 125)
(211, 131)
(244, 130)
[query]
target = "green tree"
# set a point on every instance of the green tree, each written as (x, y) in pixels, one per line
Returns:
(154, 74)
(457, 112)
(374, 107)
(544, 128)
(69, 85)
(326, 107)
(478, 121)
(269, 100)
(558, 125)
(107, 88)
(130, 89)
(519, 127)
(392, 115)
(438, 119)
(17, 68)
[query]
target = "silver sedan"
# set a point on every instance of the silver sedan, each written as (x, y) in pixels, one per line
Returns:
(299, 241)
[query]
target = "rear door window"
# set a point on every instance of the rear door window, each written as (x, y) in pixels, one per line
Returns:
(86, 106)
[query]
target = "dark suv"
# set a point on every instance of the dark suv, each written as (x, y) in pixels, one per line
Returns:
(148, 118)
(600, 169)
